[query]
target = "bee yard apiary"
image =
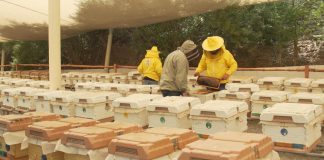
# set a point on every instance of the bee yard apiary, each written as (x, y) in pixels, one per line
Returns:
(298, 85)
(171, 112)
(293, 126)
(265, 99)
(95, 105)
(219, 116)
(132, 109)
(271, 83)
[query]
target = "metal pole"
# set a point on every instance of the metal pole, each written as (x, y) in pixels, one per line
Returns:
(108, 49)
(54, 44)
(2, 60)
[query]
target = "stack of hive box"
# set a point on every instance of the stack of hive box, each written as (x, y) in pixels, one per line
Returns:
(25, 98)
(10, 100)
(318, 86)
(293, 127)
(132, 109)
(219, 116)
(265, 99)
(43, 101)
(92, 142)
(235, 96)
(134, 77)
(298, 85)
(13, 133)
(171, 112)
(95, 105)
(120, 79)
(2, 87)
(155, 143)
(271, 83)
(43, 136)
(231, 146)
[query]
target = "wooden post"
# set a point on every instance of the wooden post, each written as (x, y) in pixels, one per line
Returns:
(307, 71)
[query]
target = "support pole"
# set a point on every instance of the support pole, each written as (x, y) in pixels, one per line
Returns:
(2, 60)
(54, 44)
(108, 49)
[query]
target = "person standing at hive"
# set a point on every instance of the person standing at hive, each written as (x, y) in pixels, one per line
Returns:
(151, 67)
(216, 60)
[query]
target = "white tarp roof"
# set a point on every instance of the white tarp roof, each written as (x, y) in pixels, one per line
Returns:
(27, 19)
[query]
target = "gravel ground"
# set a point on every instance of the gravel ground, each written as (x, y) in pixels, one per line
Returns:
(255, 127)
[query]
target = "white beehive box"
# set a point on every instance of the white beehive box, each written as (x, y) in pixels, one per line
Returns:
(26, 98)
(120, 78)
(271, 83)
(298, 85)
(241, 79)
(42, 101)
(235, 96)
(192, 84)
(294, 125)
(66, 79)
(219, 116)
(265, 99)
(10, 96)
(307, 98)
(155, 89)
(30, 83)
(7, 81)
(128, 89)
(19, 83)
(132, 109)
(95, 105)
(63, 104)
(2, 87)
(86, 86)
(318, 86)
(171, 112)
(237, 87)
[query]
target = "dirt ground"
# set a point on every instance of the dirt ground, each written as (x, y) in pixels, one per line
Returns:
(255, 127)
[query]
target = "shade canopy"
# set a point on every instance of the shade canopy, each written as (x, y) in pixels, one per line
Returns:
(28, 19)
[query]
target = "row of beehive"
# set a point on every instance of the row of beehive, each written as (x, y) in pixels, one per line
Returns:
(37, 135)
(72, 78)
(28, 74)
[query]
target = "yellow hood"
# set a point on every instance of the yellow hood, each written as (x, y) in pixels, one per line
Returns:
(150, 54)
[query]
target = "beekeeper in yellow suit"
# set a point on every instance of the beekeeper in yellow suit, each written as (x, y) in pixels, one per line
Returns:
(151, 67)
(216, 60)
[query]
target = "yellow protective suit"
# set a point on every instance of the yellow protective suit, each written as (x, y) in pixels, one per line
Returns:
(218, 65)
(151, 66)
